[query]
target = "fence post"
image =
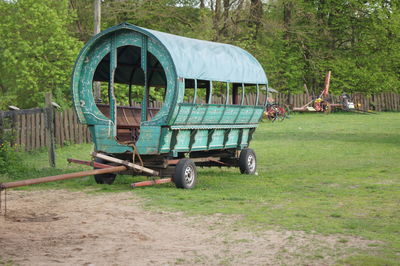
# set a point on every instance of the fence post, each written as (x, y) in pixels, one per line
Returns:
(49, 114)
(1, 127)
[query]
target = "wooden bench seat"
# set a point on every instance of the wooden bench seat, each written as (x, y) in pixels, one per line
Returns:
(128, 120)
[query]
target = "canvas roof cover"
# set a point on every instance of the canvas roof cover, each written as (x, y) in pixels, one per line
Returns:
(192, 59)
(198, 59)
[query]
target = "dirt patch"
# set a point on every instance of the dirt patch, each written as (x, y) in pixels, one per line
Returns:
(75, 228)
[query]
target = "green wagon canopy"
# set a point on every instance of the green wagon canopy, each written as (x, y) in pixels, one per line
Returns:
(133, 55)
(192, 59)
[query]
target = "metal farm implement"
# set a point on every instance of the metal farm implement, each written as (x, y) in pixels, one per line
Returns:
(165, 143)
(324, 102)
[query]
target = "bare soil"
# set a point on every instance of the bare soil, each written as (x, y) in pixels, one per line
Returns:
(53, 227)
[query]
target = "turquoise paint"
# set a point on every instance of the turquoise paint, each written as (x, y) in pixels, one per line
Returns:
(217, 139)
(182, 140)
(233, 137)
(165, 140)
(149, 140)
(201, 139)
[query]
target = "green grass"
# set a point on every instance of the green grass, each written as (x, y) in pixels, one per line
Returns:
(328, 174)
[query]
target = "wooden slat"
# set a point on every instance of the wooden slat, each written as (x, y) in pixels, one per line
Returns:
(378, 102)
(384, 102)
(29, 132)
(65, 125)
(387, 101)
(26, 133)
(37, 130)
(87, 134)
(57, 127)
(84, 133)
(80, 132)
(32, 131)
(62, 133)
(71, 126)
(36, 140)
(387, 98)
(23, 130)
(36, 121)
(76, 130)
(18, 130)
(42, 131)
(393, 101)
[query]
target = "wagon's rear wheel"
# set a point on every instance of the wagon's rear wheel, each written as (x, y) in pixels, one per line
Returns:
(103, 178)
(247, 162)
(185, 174)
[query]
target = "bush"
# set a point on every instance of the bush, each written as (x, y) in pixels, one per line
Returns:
(10, 159)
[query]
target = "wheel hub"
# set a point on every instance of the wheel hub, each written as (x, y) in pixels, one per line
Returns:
(251, 162)
(189, 175)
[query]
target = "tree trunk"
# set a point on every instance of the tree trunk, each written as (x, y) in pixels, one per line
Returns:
(256, 14)
(97, 15)
(217, 18)
(287, 16)
(224, 30)
(97, 22)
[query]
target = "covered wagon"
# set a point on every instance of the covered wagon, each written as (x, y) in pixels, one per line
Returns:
(193, 127)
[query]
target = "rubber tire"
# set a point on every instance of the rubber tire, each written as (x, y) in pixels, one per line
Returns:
(243, 162)
(179, 176)
(107, 179)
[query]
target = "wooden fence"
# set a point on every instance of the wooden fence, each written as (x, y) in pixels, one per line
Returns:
(29, 126)
(387, 101)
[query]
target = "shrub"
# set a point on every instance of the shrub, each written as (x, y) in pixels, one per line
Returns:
(10, 158)
(10, 161)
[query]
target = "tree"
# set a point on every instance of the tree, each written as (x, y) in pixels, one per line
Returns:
(37, 53)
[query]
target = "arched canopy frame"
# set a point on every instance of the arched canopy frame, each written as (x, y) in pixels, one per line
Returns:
(106, 43)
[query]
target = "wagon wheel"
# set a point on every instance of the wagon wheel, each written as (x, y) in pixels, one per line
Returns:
(185, 174)
(248, 162)
(103, 178)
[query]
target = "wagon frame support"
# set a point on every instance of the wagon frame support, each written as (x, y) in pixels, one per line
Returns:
(126, 163)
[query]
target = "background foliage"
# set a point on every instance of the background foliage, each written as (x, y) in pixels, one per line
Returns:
(295, 41)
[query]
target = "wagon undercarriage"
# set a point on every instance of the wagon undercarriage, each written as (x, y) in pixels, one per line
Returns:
(177, 169)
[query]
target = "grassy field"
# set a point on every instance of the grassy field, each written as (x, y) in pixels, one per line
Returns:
(326, 174)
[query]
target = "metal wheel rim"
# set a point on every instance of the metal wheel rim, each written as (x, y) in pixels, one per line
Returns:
(251, 162)
(189, 175)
